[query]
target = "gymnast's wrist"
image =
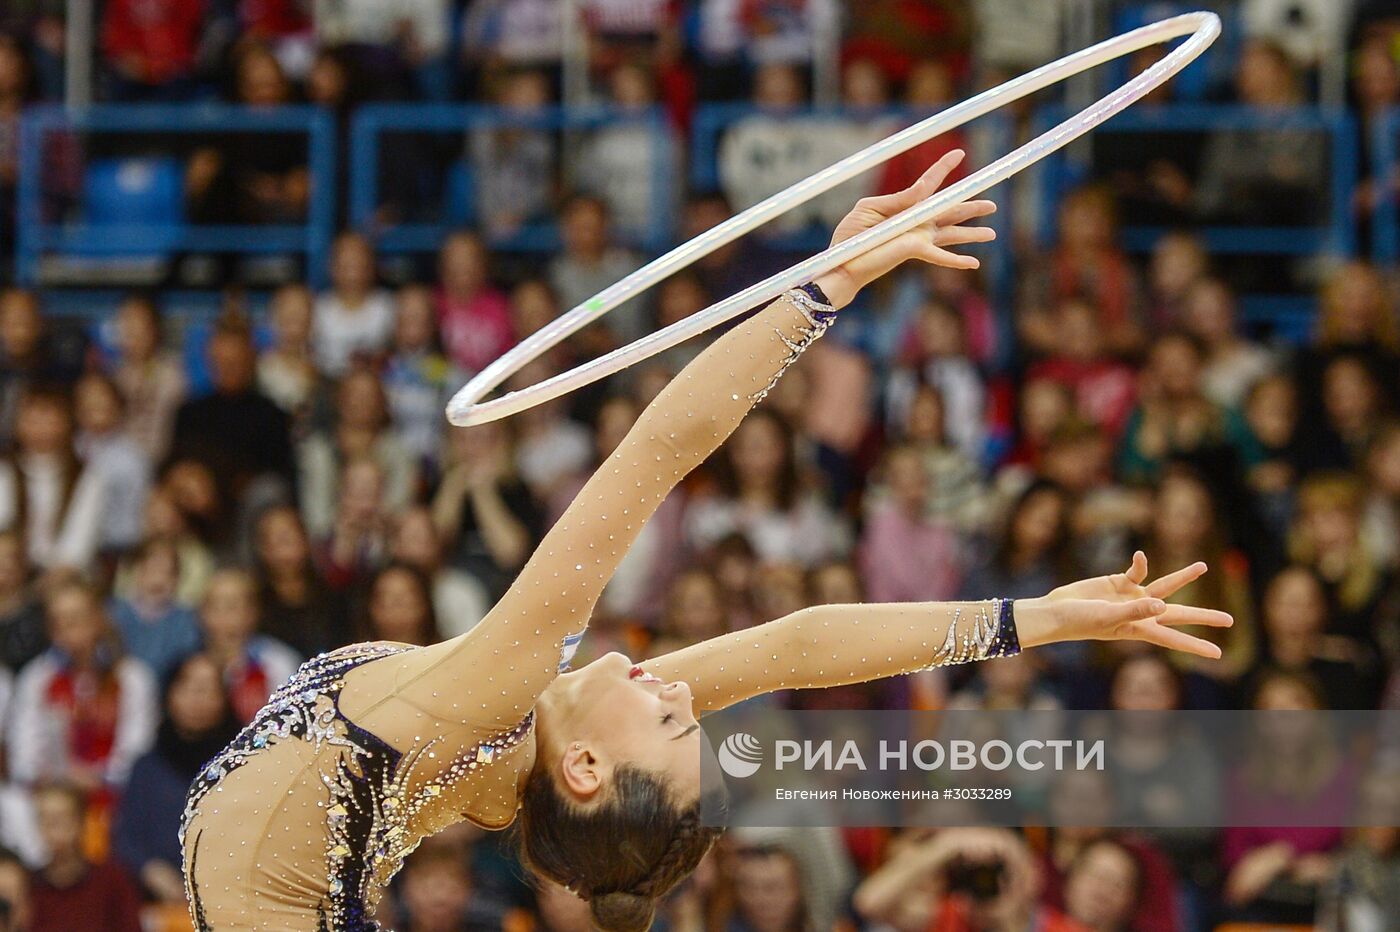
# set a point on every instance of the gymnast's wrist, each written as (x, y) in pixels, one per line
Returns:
(838, 286)
(1036, 622)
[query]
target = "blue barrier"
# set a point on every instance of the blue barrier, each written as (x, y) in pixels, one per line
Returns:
(163, 233)
(1385, 168)
(372, 122)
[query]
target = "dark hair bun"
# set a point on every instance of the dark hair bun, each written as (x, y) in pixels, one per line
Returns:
(622, 912)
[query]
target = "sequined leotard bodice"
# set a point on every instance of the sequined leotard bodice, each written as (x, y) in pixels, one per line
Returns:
(302, 821)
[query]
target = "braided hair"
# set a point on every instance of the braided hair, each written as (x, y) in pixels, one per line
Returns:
(622, 854)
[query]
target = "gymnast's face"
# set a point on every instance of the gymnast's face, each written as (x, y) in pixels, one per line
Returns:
(611, 714)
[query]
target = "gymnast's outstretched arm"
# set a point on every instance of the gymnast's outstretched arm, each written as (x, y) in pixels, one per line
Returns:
(494, 673)
(832, 645)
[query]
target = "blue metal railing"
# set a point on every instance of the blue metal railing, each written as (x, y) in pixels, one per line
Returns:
(39, 234)
(373, 122)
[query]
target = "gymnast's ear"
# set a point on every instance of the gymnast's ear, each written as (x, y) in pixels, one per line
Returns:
(581, 772)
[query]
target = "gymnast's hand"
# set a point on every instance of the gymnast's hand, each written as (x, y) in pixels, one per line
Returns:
(1123, 606)
(927, 242)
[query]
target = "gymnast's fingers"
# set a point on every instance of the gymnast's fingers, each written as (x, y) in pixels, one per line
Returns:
(1173, 639)
(1191, 615)
(937, 255)
(1138, 571)
(960, 236)
(887, 205)
(961, 213)
(1171, 582)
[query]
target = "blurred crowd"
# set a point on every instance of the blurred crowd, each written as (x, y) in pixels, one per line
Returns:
(178, 530)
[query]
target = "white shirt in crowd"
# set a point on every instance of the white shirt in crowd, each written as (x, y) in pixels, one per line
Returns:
(339, 332)
(376, 22)
(57, 535)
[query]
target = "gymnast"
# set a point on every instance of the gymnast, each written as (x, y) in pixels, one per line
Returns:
(301, 822)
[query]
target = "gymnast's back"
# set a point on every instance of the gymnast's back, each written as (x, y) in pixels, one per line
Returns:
(303, 819)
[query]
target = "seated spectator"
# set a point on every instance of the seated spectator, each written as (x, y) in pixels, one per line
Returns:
(1233, 363)
(196, 725)
(1086, 265)
(1031, 552)
(1381, 521)
(481, 508)
(1354, 404)
(355, 318)
(1375, 84)
(513, 167)
(550, 448)
(252, 177)
(45, 490)
(1356, 318)
(459, 599)
(1043, 406)
(915, 888)
(236, 432)
(935, 353)
(435, 891)
(1175, 420)
(23, 634)
(694, 612)
(356, 542)
(418, 379)
(152, 49)
(906, 555)
(166, 521)
(1326, 537)
(1120, 880)
(628, 164)
(399, 608)
(361, 429)
(474, 318)
(296, 606)
(82, 712)
(112, 453)
(761, 497)
(1271, 414)
(286, 370)
(956, 492)
(33, 352)
(70, 891)
(150, 376)
(1179, 260)
(1104, 388)
(768, 892)
(155, 627)
(1295, 616)
(1276, 875)
(1102, 887)
(1363, 893)
(253, 665)
(415, 32)
(590, 262)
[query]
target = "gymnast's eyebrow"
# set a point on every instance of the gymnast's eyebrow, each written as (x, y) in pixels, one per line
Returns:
(686, 732)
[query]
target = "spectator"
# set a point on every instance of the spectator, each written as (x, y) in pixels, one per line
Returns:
(418, 379)
(761, 497)
(1103, 387)
(46, 491)
(109, 450)
(295, 604)
(287, 372)
(236, 432)
(435, 892)
(1375, 84)
(252, 664)
(196, 725)
(1271, 413)
(33, 352)
(1179, 260)
(355, 318)
(414, 32)
(590, 262)
(905, 555)
(1364, 890)
(70, 891)
(152, 380)
(253, 177)
(166, 521)
(459, 600)
(356, 542)
(1381, 522)
(15, 912)
(152, 48)
(514, 166)
(22, 630)
(768, 892)
(474, 318)
(1031, 553)
(628, 164)
(155, 628)
(779, 31)
(1075, 852)
(82, 712)
(506, 34)
(550, 447)
(694, 612)
(1233, 363)
(935, 352)
(399, 608)
(482, 509)
(361, 429)
(1102, 888)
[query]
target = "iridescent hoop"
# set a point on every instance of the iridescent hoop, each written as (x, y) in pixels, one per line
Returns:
(467, 408)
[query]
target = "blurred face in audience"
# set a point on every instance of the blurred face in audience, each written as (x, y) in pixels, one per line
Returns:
(398, 608)
(758, 452)
(76, 623)
(327, 84)
(260, 81)
(836, 584)
(193, 489)
(1045, 405)
(352, 265)
(680, 297)
(1175, 367)
(436, 893)
(1079, 333)
(908, 481)
(360, 402)
(416, 321)
(14, 74)
(20, 323)
(361, 490)
(60, 819)
(1375, 76)
(138, 332)
(1210, 311)
(929, 85)
(416, 539)
(282, 545)
(632, 87)
(462, 265)
(291, 317)
(1350, 395)
(1177, 262)
(158, 575)
(768, 891)
(1086, 222)
(1101, 889)
(1145, 684)
(1264, 76)
(780, 589)
(1184, 514)
(1332, 527)
(615, 419)
(1038, 523)
(777, 87)
(43, 427)
(1272, 411)
(696, 610)
(1383, 464)
(230, 613)
(1295, 609)
(14, 564)
(925, 422)
(1354, 302)
(940, 329)
(97, 405)
(532, 305)
(864, 86)
(585, 229)
(14, 893)
(232, 362)
(1081, 798)
(197, 703)
(526, 91)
